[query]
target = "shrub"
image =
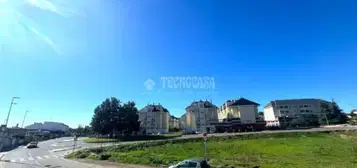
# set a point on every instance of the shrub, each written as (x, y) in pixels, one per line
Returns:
(104, 156)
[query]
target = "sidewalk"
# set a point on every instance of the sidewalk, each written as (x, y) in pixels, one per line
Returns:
(107, 164)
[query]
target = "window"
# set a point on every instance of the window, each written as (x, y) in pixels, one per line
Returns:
(281, 106)
(302, 111)
(301, 106)
(286, 106)
(306, 105)
(183, 164)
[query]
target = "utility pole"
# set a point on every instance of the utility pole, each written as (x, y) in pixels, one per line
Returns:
(23, 121)
(326, 118)
(8, 114)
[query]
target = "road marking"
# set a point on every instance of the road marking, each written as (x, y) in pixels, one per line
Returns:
(31, 159)
(46, 156)
(21, 159)
(34, 159)
(68, 140)
(13, 160)
(55, 156)
(2, 154)
(38, 157)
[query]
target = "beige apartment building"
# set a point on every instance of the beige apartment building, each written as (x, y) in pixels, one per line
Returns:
(188, 121)
(290, 108)
(200, 115)
(244, 109)
(154, 119)
(174, 123)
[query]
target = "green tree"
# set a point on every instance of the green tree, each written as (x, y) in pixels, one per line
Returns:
(331, 113)
(299, 122)
(311, 120)
(325, 112)
(80, 130)
(113, 116)
(338, 117)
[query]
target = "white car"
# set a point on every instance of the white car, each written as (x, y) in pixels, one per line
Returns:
(192, 163)
(32, 145)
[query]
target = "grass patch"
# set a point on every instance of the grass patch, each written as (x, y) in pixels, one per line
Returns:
(278, 150)
(134, 138)
(173, 134)
(100, 140)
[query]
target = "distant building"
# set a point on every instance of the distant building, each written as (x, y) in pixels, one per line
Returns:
(354, 111)
(243, 109)
(291, 108)
(199, 115)
(154, 119)
(11, 132)
(48, 126)
(182, 121)
(189, 122)
(174, 123)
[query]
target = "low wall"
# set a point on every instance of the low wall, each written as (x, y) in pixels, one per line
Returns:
(9, 143)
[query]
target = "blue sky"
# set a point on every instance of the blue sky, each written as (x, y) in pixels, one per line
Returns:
(64, 59)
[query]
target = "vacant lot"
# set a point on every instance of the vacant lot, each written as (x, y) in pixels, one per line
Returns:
(134, 138)
(333, 150)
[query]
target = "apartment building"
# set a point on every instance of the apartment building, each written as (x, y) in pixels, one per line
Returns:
(174, 123)
(189, 123)
(291, 108)
(48, 126)
(200, 115)
(243, 109)
(154, 119)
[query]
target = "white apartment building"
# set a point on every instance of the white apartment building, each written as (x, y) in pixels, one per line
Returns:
(174, 123)
(154, 119)
(243, 109)
(200, 115)
(291, 108)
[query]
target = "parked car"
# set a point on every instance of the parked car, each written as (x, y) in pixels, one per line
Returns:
(32, 144)
(192, 163)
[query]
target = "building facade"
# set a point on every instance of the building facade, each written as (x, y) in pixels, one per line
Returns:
(291, 108)
(154, 119)
(243, 109)
(189, 122)
(48, 126)
(200, 115)
(174, 123)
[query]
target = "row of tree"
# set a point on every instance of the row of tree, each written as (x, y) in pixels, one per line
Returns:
(115, 117)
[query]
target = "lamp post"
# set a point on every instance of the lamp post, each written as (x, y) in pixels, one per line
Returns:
(23, 121)
(8, 114)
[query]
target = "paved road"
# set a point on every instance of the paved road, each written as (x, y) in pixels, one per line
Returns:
(49, 154)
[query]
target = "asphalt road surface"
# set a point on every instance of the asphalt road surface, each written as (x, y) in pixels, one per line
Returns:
(51, 153)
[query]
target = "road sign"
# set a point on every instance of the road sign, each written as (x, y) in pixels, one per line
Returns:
(205, 136)
(205, 143)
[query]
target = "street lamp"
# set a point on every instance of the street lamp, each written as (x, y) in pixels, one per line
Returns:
(22, 125)
(8, 114)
